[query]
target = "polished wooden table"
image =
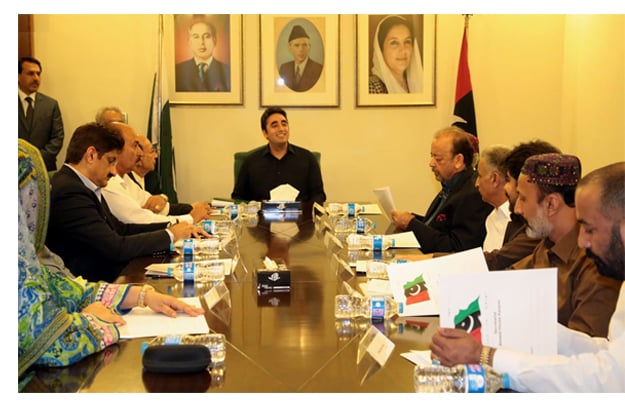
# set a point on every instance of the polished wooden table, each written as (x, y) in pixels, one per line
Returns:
(276, 341)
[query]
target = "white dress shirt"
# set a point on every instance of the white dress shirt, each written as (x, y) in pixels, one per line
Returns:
(126, 198)
(584, 363)
(496, 224)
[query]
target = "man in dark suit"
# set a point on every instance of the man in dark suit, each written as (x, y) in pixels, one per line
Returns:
(82, 230)
(202, 72)
(302, 73)
(39, 116)
(455, 220)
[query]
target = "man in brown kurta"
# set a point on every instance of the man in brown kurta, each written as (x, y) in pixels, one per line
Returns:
(546, 187)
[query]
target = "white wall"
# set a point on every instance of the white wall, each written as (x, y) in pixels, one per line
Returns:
(556, 77)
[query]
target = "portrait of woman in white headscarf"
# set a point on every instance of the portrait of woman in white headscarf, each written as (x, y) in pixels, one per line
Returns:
(397, 66)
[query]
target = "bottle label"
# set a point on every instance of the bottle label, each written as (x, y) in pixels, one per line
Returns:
(188, 271)
(209, 226)
(171, 340)
(187, 248)
(476, 379)
(360, 225)
(377, 242)
(234, 211)
(351, 210)
(378, 307)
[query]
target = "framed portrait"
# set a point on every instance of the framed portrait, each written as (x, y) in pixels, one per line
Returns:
(299, 60)
(395, 60)
(203, 58)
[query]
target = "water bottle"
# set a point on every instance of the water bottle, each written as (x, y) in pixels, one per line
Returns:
(376, 307)
(344, 224)
(197, 272)
(357, 242)
(215, 342)
(350, 210)
(471, 378)
(249, 209)
(230, 211)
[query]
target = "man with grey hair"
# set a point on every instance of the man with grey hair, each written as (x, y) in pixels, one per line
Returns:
(490, 182)
(110, 114)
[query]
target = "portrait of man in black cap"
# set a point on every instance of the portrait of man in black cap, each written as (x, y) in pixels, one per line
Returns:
(302, 73)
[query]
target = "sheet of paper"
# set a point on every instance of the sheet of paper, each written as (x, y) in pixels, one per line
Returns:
(386, 199)
(217, 203)
(516, 308)
(415, 284)
(370, 209)
(418, 357)
(404, 240)
(161, 269)
(143, 322)
(283, 193)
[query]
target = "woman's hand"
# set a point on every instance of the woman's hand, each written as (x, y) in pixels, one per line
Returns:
(104, 313)
(168, 305)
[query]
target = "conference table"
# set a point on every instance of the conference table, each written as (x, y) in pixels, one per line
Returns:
(276, 341)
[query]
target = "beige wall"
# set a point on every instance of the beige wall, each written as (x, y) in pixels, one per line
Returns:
(557, 77)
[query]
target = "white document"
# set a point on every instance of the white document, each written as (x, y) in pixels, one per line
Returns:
(516, 308)
(370, 209)
(218, 203)
(143, 322)
(418, 357)
(162, 269)
(404, 240)
(283, 193)
(386, 199)
(415, 284)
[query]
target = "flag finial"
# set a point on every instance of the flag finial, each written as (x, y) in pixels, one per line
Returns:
(466, 20)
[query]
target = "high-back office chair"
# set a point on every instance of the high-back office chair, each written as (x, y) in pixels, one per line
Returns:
(239, 156)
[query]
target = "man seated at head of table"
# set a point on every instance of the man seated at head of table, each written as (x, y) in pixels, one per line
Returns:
(82, 230)
(127, 200)
(277, 163)
(583, 363)
(455, 219)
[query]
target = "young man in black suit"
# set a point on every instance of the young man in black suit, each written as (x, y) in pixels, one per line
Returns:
(82, 230)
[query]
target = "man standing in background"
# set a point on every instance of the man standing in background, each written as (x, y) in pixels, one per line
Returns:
(39, 116)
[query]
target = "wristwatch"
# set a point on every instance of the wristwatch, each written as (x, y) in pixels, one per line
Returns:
(164, 196)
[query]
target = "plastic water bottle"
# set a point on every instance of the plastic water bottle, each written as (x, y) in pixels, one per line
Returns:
(350, 210)
(216, 343)
(344, 224)
(197, 272)
(472, 378)
(376, 307)
(359, 242)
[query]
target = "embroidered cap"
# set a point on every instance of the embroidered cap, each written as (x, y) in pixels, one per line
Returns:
(553, 169)
(298, 32)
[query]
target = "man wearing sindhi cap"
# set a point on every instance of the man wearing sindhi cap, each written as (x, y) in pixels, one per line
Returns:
(546, 199)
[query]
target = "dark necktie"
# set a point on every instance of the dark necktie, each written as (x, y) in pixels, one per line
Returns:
(298, 74)
(29, 113)
(202, 68)
(440, 201)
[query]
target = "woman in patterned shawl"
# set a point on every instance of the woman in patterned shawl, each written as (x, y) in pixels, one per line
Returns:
(62, 318)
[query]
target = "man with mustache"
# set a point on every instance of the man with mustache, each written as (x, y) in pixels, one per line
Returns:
(92, 242)
(583, 363)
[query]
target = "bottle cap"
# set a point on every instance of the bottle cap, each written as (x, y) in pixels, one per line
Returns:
(505, 381)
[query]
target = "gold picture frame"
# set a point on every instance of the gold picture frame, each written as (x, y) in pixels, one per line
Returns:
(422, 70)
(318, 86)
(222, 82)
